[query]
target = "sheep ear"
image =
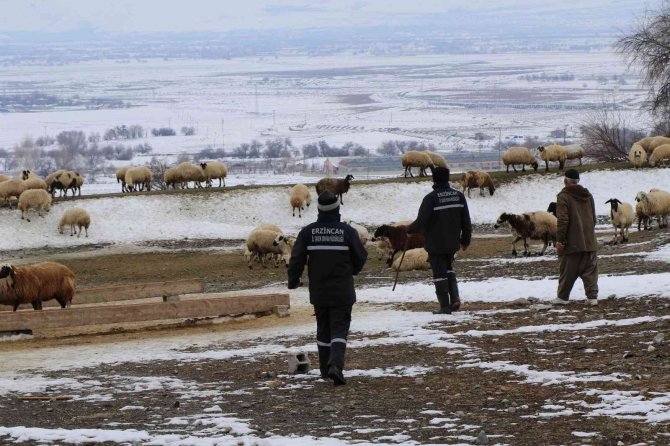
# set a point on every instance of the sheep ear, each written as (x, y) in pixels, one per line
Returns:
(11, 279)
(617, 200)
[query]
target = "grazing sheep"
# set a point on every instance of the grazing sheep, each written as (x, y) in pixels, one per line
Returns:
(477, 179)
(270, 227)
(36, 283)
(51, 179)
(62, 182)
(437, 159)
(660, 155)
(643, 219)
(299, 198)
(622, 216)
(11, 189)
(35, 182)
(137, 178)
(399, 239)
(519, 155)
(658, 141)
(75, 217)
(532, 225)
(172, 177)
(645, 142)
(552, 208)
(415, 259)
(362, 231)
(337, 186)
(121, 177)
(4, 178)
(553, 152)
(412, 158)
(190, 172)
(655, 203)
(260, 244)
(37, 199)
(574, 152)
(214, 170)
(637, 155)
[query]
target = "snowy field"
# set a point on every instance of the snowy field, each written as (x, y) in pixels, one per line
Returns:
(233, 214)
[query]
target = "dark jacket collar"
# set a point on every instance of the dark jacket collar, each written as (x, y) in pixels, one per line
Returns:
(329, 216)
(444, 185)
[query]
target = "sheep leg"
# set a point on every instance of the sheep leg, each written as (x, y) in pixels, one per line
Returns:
(389, 261)
(508, 168)
(37, 304)
(546, 165)
(526, 248)
(544, 247)
(86, 232)
(16, 306)
(61, 301)
(341, 201)
(514, 253)
(625, 237)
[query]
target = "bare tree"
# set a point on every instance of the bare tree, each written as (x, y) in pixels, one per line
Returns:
(607, 134)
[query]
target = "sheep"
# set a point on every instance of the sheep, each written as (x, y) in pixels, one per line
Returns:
(270, 227)
(519, 155)
(399, 239)
(622, 216)
(63, 181)
(383, 247)
(299, 198)
(121, 177)
(285, 242)
(412, 158)
(37, 199)
(553, 152)
(51, 179)
(26, 174)
(658, 141)
(36, 283)
(532, 225)
(260, 244)
(660, 155)
(437, 159)
(172, 177)
(637, 155)
(190, 172)
(362, 231)
(214, 170)
(337, 186)
(11, 189)
(552, 208)
(643, 219)
(574, 152)
(4, 178)
(655, 203)
(645, 142)
(75, 217)
(35, 182)
(415, 259)
(79, 179)
(477, 178)
(137, 178)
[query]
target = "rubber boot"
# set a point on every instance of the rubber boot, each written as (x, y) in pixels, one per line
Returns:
(324, 356)
(453, 292)
(442, 292)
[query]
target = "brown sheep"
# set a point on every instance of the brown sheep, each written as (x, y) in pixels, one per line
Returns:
(422, 160)
(399, 239)
(532, 225)
(477, 179)
(36, 283)
(337, 186)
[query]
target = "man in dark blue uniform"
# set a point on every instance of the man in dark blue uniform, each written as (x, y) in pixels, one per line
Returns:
(333, 254)
(445, 222)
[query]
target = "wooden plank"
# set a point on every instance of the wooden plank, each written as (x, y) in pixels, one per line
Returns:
(210, 305)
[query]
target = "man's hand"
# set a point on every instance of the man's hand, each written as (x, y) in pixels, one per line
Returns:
(292, 285)
(560, 246)
(464, 247)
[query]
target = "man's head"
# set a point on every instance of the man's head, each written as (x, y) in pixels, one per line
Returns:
(328, 201)
(571, 177)
(440, 175)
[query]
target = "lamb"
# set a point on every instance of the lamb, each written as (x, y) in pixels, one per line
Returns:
(437, 159)
(658, 141)
(121, 177)
(399, 239)
(172, 177)
(622, 216)
(532, 225)
(553, 152)
(660, 156)
(519, 155)
(137, 178)
(299, 198)
(11, 189)
(415, 259)
(337, 186)
(412, 158)
(190, 172)
(260, 244)
(655, 203)
(35, 182)
(637, 155)
(75, 217)
(643, 219)
(383, 247)
(477, 178)
(214, 170)
(37, 199)
(36, 283)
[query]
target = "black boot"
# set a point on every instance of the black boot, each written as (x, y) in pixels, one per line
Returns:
(442, 292)
(335, 373)
(453, 292)
(324, 356)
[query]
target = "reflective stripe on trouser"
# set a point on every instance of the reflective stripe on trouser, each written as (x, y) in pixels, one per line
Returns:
(332, 330)
(444, 277)
(583, 265)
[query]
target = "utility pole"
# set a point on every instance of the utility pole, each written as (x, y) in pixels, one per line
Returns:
(565, 130)
(223, 136)
(256, 97)
(499, 147)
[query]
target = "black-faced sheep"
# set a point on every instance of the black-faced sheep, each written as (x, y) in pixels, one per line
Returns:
(75, 217)
(552, 208)
(138, 178)
(421, 160)
(338, 186)
(415, 259)
(655, 203)
(214, 170)
(660, 156)
(37, 283)
(299, 197)
(285, 243)
(190, 172)
(622, 216)
(37, 199)
(532, 225)
(399, 239)
(519, 155)
(637, 155)
(477, 179)
(553, 152)
(121, 177)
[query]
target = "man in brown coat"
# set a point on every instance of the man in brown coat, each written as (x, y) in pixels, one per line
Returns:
(576, 240)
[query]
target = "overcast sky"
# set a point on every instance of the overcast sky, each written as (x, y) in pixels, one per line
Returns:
(41, 16)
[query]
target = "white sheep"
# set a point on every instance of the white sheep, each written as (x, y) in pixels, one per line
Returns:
(412, 158)
(415, 259)
(622, 216)
(645, 142)
(637, 155)
(35, 182)
(260, 244)
(553, 152)
(214, 170)
(172, 177)
(363, 233)
(658, 141)
(383, 247)
(37, 199)
(299, 197)
(75, 217)
(660, 155)
(190, 172)
(121, 177)
(11, 189)
(137, 178)
(285, 243)
(574, 152)
(655, 203)
(437, 159)
(519, 155)
(4, 178)
(643, 219)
